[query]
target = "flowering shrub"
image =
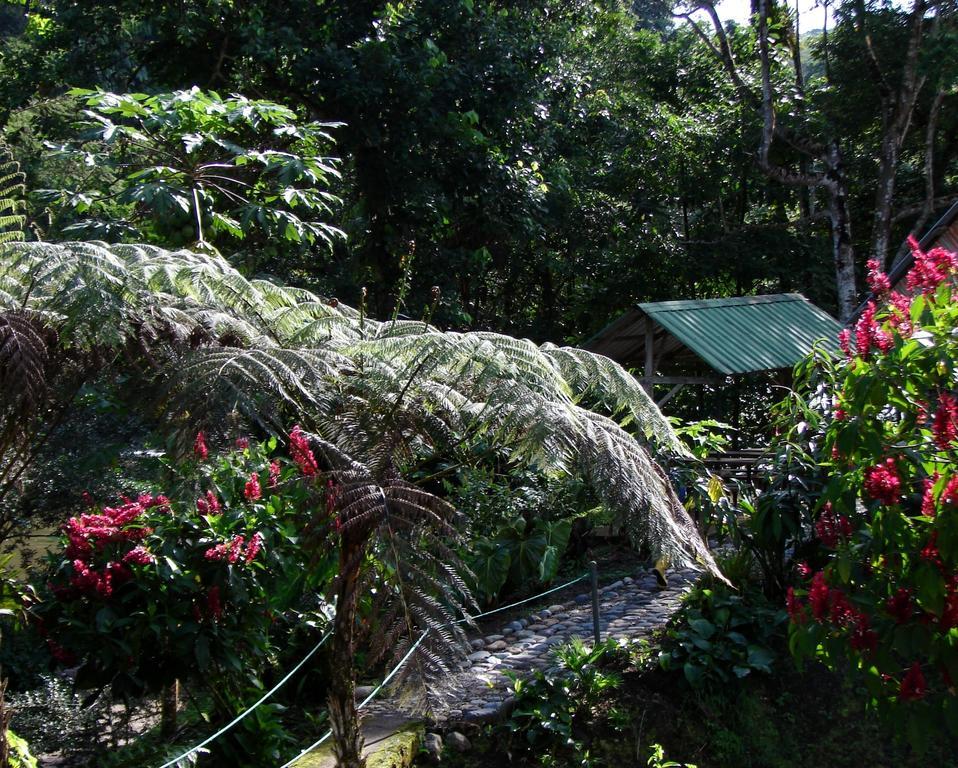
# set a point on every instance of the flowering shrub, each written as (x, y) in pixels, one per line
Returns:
(883, 594)
(190, 585)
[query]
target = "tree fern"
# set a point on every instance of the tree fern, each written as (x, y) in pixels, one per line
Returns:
(12, 189)
(361, 383)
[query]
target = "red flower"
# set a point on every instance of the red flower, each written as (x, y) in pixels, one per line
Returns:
(913, 685)
(899, 606)
(254, 547)
(866, 330)
(831, 528)
(878, 281)
(199, 446)
(61, 654)
(863, 638)
(795, 608)
(208, 505)
(928, 497)
(213, 604)
(242, 443)
(882, 482)
(252, 490)
(900, 318)
(219, 552)
(236, 549)
(841, 611)
(930, 551)
(944, 428)
(274, 474)
(949, 496)
(803, 570)
(845, 342)
(139, 556)
(930, 269)
(300, 451)
(818, 597)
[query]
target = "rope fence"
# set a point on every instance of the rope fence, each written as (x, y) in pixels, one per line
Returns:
(242, 715)
(235, 721)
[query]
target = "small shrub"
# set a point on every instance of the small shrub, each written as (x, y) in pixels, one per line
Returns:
(549, 703)
(721, 635)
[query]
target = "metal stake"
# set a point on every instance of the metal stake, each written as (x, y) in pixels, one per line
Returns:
(594, 569)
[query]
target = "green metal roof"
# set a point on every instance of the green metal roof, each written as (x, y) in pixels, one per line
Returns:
(747, 333)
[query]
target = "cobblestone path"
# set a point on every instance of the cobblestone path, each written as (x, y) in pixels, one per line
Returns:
(628, 610)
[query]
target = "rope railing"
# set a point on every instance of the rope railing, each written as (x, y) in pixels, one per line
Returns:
(415, 645)
(248, 711)
(236, 720)
(365, 701)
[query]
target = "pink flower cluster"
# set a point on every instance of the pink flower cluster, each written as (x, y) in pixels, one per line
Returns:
(236, 550)
(252, 490)
(948, 497)
(87, 580)
(944, 427)
(301, 453)
(90, 533)
(883, 483)
(831, 528)
(869, 334)
(913, 686)
(833, 606)
(208, 504)
(878, 282)
(931, 269)
(199, 446)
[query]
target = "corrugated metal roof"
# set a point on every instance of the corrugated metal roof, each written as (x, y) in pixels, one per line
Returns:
(747, 333)
(735, 335)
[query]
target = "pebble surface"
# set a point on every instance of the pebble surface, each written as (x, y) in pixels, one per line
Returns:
(629, 609)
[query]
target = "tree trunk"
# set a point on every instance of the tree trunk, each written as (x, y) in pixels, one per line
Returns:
(169, 701)
(343, 715)
(841, 224)
(884, 197)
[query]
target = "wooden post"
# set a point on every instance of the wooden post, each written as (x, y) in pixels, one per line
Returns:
(594, 569)
(649, 354)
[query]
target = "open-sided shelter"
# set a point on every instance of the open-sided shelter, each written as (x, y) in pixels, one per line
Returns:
(677, 343)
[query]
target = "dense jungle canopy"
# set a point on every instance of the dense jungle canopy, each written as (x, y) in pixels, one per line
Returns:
(545, 164)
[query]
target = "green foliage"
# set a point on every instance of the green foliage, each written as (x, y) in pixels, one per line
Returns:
(218, 168)
(19, 755)
(881, 592)
(54, 716)
(658, 760)
(548, 704)
(12, 190)
(518, 527)
(721, 636)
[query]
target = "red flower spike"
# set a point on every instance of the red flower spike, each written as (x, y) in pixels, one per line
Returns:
(818, 597)
(300, 452)
(199, 446)
(883, 483)
(252, 491)
(900, 606)
(949, 496)
(913, 686)
(878, 281)
(944, 427)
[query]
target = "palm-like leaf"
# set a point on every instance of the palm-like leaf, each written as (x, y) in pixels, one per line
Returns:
(390, 394)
